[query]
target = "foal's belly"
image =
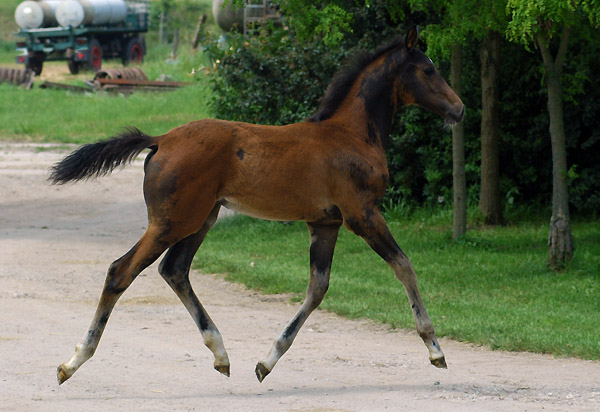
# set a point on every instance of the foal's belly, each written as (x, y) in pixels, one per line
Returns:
(275, 210)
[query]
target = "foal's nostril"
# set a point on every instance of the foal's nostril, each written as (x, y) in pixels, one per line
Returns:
(461, 115)
(457, 118)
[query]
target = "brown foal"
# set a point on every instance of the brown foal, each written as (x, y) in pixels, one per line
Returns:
(327, 171)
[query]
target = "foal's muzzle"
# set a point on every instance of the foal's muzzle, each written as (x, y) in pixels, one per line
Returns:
(455, 115)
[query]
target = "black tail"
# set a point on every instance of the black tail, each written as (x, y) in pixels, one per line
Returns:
(99, 159)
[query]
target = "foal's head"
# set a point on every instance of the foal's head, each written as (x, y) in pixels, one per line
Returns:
(397, 74)
(420, 83)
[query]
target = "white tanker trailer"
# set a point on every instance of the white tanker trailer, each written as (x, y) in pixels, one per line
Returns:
(82, 32)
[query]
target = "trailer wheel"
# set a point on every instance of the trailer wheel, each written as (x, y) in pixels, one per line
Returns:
(35, 63)
(95, 55)
(133, 53)
(73, 66)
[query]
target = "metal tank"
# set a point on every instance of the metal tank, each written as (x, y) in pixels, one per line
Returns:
(227, 16)
(36, 14)
(90, 12)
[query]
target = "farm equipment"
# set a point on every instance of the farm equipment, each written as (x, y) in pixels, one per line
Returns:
(88, 32)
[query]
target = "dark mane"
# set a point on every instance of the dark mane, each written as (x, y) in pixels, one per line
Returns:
(343, 80)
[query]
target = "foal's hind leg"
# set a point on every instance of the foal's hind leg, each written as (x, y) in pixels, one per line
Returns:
(175, 269)
(372, 227)
(323, 238)
(120, 275)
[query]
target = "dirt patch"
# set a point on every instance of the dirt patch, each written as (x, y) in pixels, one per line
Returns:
(56, 243)
(59, 72)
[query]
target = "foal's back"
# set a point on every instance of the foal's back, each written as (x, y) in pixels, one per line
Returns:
(292, 172)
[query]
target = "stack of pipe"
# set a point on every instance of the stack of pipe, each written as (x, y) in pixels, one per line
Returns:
(17, 76)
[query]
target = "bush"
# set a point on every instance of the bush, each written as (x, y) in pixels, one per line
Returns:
(270, 79)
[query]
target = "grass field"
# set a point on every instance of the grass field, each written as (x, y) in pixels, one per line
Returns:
(57, 115)
(491, 288)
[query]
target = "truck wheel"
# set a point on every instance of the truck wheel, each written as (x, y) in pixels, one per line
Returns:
(95, 55)
(73, 66)
(133, 52)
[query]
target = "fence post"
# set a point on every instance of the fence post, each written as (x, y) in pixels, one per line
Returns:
(161, 28)
(201, 22)
(175, 43)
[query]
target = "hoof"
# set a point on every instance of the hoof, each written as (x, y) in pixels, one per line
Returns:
(224, 369)
(62, 374)
(439, 363)
(261, 371)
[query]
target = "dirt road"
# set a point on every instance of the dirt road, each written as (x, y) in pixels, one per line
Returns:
(56, 243)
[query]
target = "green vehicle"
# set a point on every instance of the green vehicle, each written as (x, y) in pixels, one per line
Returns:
(87, 45)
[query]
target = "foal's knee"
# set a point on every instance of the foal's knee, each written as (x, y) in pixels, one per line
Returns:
(116, 279)
(317, 288)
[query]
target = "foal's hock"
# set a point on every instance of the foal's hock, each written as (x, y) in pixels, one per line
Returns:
(327, 171)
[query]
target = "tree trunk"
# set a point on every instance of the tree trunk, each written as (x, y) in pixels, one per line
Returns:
(459, 224)
(490, 202)
(560, 238)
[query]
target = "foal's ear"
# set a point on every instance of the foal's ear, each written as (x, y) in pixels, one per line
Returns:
(412, 37)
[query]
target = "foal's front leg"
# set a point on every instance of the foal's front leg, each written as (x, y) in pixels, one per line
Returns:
(323, 238)
(371, 226)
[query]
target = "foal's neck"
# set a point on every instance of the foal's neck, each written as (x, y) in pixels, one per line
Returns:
(375, 95)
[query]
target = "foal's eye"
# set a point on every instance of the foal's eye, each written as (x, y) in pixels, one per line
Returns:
(429, 71)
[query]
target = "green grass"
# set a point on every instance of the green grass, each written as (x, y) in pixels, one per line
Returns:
(56, 115)
(491, 288)
(49, 115)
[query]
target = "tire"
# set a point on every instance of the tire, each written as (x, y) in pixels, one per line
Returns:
(133, 52)
(73, 66)
(35, 63)
(94, 55)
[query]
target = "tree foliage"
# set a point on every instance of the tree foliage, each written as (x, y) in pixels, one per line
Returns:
(548, 17)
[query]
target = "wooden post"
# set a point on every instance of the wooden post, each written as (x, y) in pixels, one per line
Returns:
(175, 43)
(201, 22)
(161, 28)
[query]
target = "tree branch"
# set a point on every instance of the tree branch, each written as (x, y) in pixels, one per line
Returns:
(546, 54)
(562, 49)
(554, 63)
